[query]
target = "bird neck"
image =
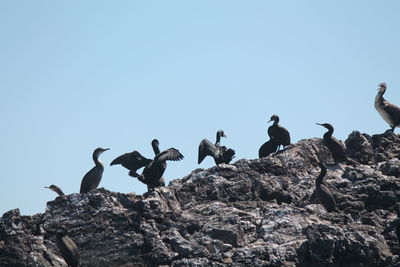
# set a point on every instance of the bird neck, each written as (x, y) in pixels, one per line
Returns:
(276, 122)
(320, 178)
(59, 191)
(328, 134)
(156, 149)
(379, 97)
(218, 138)
(96, 160)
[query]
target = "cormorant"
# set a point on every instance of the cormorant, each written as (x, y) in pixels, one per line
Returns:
(153, 169)
(68, 249)
(388, 111)
(267, 148)
(335, 147)
(220, 153)
(323, 194)
(279, 133)
(55, 189)
(92, 178)
(134, 160)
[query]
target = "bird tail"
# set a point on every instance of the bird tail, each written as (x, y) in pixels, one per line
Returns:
(229, 155)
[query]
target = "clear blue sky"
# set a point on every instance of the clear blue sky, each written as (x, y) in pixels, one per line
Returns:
(76, 75)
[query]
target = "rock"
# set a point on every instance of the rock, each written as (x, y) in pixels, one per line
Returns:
(250, 213)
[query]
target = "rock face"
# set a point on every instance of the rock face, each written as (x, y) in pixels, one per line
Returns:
(251, 213)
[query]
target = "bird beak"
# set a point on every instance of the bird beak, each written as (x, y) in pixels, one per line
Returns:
(106, 149)
(224, 135)
(47, 187)
(270, 121)
(319, 123)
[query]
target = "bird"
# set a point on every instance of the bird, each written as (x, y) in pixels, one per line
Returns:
(279, 133)
(55, 189)
(153, 169)
(388, 111)
(67, 247)
(335, 147)
(92, 178)
(323, 193)
(134, 160)
(221, 154)
(267, 148)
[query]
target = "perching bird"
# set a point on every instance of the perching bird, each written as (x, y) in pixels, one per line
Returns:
(220, 153)
(323, 194)
(153, 169)
(92, 178)
(335, 147)
(279, 133)
(388, 111)
(55, 189)
(68, 249)
(134, 160)
(267, 148)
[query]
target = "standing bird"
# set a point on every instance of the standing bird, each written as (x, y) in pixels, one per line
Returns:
(153, 169)
(220, 153)
(388, 111)
(92, 178)
(134, 160)
(267, 148)
(68, 249)
(323, 194)
(335, 147)
(55, 189)
(279, 133)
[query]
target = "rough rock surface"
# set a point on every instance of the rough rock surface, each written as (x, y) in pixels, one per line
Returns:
(251, 213)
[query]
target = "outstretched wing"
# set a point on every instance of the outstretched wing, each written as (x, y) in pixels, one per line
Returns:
(206, 148)
(132, 161)
(169, 154)
(228, 154)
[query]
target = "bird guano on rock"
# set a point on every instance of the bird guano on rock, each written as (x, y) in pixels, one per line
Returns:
(92, 178)
(220, 154)
(388, 111)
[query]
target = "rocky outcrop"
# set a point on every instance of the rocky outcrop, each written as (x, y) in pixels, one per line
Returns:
(254, 212)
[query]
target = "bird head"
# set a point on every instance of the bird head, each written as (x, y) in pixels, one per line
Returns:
(99, 150)
(326, 125)
(221, 133)
(274, 118)
(52, 187)
(382, 87)
(155, 142)
(61, 231)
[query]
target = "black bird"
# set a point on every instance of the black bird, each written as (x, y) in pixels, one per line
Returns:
(323, 194)
(279, 133)
(221, 154)
(335, 147)
(153, 169)
(388, 111)
(68, 249)
(92, 178)
(134, 160)
(55, 189)
(267, 148)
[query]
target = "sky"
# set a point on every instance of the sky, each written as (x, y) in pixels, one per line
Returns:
(77, 75)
